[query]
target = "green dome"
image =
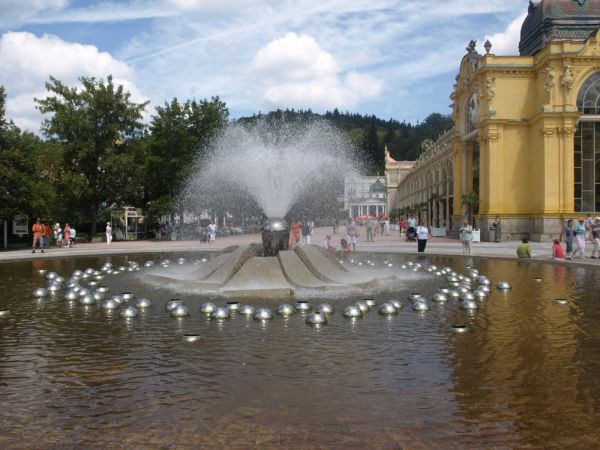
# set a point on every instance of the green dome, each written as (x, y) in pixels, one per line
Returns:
(556, 20)
(378, 186)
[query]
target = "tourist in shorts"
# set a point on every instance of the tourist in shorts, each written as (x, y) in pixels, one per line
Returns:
(466, 236)
(47, 233)
(580, 239)
(73, 236)
(38, 235)
(352, 234)
(108, 231)
(568, 236)
(596, 238)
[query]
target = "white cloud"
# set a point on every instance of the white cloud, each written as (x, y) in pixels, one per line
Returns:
(507, 42)
(294, 71)
(27, 61)
(16, 12)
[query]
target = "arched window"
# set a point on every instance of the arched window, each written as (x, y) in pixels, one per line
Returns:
(587, 147)
(588, 99)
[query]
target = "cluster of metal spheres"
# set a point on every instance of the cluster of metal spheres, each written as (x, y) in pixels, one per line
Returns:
(83, 287)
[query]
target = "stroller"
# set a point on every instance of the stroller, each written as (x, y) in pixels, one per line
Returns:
(411, 234)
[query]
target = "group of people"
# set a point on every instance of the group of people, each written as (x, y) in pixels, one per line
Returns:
(43, 232)
(208, 234)
(301, 233)
(575, 237)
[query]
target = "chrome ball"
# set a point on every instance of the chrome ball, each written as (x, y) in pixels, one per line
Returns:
(414, 296)
(410, 264)
(387, 309)
(190, 338)
(453, 293)
(467, 296)
(40, 292)
(469, 305)
(485, 288)
(122, 269)
(263, 314)
(480, 294)
(53, 288)
(451, 279)
(93, 283)
(561, 301)
(173, 303)
(42, 271)
(110, 304)
(220, 313)
(4, 312)
(129, 312)
(483, 280)
(316, 318)
(89, 271)
(363, 307)
(87, 300)
(403, 266)
(286, 310)
(51, 275)
(503, 285)
(180, 311)
(72, 284)
(326, 309)
(247, 310)
(420, 305)
(99, 277)
(352, 312)
(370, 302)
(439, 297)
(84, 291)
(143, 303)
(58, 280)
(463, 290)
(444, 290)
(181, 261)
(117, 298)
(233, 306)
(459, 328)
(207, 308)
(102, 289)
(302, 306)
(98, 296)
(72, 295)
(148, 263)
(397, 304)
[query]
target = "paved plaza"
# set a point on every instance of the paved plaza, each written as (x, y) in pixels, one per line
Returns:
(381, 244)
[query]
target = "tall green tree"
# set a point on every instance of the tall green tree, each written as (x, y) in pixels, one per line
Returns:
(96, 126)
(179, 135)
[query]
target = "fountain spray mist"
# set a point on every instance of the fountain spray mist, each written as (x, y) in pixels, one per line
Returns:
(273, 163)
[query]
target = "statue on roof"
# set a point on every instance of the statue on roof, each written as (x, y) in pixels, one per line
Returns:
(388, 159)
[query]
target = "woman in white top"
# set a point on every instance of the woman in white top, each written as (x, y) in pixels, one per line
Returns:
(422, 235)
(466, 236)
(108, 233)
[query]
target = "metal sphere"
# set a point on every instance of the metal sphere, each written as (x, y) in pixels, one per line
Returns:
(451, 279)
(72, 295)
(444, 290)
(561, 301)
(174, 302)
(207, 308)
(180, 311)
(93, 283)
(122, 268)
(316, 318)
(98, 296)
(129, 312)
(84, 291)
(143, 303)
(485, 289)
(363, 306)
(352, 312)
(480, 294)
(285, 310)
(420, 305)
(483, 280)
(403, 266)
(58, 280)
(190, 338)
(453, 293)
(110, 304)
(89, 271)
(263, 314)
(439, 297)
(503, 285)
(99, 277)
(233, 306)
(53, 288)
(387, 309)
(148, 263)
(42, 271)
(434, 267)
(410, 264)
(117, 298)
(370, 302)
(463, 290)
(303, 306)
(467, 296)
(87, 300)
(415, 296)
(51, 275)
(247, 310)
(326, 309)
(102, 289)
(459, 328)
(4, 312)
(40, 292)
(72, 284)
(469, 305)
(397, 304)
(220, 313)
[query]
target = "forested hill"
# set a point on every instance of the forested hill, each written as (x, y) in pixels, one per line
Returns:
(371, 134)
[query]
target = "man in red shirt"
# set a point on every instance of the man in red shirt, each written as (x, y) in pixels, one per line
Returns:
(47, 232)
(38, 235)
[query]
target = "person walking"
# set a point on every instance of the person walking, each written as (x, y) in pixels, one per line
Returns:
(67, 236)
(369, 228)
(580, 238)
(47, 234)
(351, 234)
(108, 233)
(386, 227)
(305, 233)
(295, 233)
(58, 234)
(569, 237)
(422, 235)
(596, 238)
(466, 236)
(497, 229)
(73, 236)
(38, 235)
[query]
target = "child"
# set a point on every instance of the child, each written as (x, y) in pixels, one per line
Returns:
(345, 248)
(327, 244)
(557, 250)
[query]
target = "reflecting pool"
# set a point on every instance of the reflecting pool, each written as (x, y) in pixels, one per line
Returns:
(526, 373)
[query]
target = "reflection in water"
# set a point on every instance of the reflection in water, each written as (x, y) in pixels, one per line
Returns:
(524, 375)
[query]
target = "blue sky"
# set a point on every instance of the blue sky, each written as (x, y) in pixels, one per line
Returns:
(391, 58)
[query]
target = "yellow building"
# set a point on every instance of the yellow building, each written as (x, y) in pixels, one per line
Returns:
(527, 127)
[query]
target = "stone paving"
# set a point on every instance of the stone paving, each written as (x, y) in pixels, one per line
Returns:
(382, 244)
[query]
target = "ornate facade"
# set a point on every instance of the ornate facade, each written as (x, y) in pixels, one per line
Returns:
(525, 129)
